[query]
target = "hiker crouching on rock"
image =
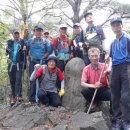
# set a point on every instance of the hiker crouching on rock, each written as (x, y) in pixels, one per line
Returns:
(48, 76)
(91, 79)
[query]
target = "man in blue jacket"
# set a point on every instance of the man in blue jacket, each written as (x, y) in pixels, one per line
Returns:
(120, 76)
(37, 54)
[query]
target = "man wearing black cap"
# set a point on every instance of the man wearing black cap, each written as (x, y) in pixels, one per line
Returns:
(37, 54)
(15, 49)
(120, 76)
(77, 45)
(91, 36)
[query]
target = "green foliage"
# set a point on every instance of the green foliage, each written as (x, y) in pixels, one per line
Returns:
(3, 34)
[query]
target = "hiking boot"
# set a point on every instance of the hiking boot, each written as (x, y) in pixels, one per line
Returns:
(116, 125)
(126, 125)
(19, 99)
(13, 101)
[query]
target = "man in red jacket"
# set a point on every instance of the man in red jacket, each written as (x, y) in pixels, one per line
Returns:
(62, 47)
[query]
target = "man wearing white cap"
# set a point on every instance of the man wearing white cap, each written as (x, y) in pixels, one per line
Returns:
(62, 47)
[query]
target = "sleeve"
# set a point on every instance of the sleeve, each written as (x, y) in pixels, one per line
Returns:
(103, 34)
(110, 54)
(84, 77)
(39, 72)
(8, 46)
(81, 37)
(100, 32)
(60, 74)
(54, 42)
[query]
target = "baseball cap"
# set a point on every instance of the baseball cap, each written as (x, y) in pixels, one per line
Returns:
(76, 25)
(116, 20)
(46, 31)
(16, 31)
(63, 26)
(39, 27)
(52, 57)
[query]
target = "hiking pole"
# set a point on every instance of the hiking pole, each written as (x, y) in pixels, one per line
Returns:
(95, 92)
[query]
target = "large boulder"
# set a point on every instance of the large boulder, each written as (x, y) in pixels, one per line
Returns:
(83, 121)
(73, 71)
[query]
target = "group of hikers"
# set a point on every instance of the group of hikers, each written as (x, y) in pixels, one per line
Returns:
(46, 60)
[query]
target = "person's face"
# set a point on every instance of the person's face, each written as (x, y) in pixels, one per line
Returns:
(89, 19)
(77, 30)
(63, 30)
(51, 64)
(46, 35)
(16, 36)
(94, 57)
(38, 33)
(117, 28)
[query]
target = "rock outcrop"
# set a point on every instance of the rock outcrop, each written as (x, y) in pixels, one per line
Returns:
(24, 117)
(73, 71)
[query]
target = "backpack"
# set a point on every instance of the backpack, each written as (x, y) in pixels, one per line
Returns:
(93, 38)
(43, 42)
(62, 54)
(58, 82)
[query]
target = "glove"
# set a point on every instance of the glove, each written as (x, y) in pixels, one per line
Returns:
(37, 66)
(61, 92)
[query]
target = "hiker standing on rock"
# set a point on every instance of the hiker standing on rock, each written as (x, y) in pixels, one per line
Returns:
(63, 47)
(92, 36)
(15, 49)
(90, 79)
(37, 54)
(77, 45)
(120, 76)
(49, 92)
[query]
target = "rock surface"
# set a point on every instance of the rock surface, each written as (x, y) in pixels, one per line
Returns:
(24, 117)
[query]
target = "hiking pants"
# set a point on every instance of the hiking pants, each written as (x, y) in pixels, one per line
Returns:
(15, 77)
(103, 94)
(49, 98)
(120, 91)
(32, 87)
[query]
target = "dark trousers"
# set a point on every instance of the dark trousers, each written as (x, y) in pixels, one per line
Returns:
(32, 87)
(87, 61)
(103, 94)
(50, 98)
(15, 77)
(120, 91)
